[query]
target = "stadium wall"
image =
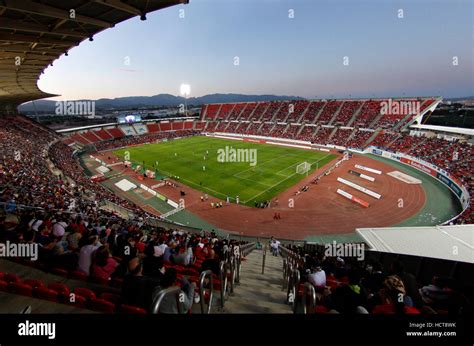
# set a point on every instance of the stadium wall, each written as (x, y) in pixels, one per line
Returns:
(453, 183)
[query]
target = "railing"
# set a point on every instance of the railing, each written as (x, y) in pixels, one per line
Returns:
(310, 291)
(264, 255)
(231, 270)
(291, 261)
(247, 248)
(223, 283)
(285, 270)
(202, 291)
(293, 288)
(171, 291)
(242, 251)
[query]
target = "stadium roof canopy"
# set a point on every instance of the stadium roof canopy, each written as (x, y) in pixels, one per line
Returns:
(454, 243)
(35, 33)
(457, 130)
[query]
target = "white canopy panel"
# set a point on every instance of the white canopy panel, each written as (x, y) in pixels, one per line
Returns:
(454, 243)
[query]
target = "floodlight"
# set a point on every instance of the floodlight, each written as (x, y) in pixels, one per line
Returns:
(185, 89)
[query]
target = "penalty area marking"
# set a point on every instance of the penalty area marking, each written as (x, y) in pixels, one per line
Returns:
(281, 181)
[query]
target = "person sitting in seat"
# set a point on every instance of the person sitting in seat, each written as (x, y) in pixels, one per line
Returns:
(137, 290)
(169, 304)
(103, 265)
(211, 263)
(393, 298)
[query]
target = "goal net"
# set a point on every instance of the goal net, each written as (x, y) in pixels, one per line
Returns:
(303, 168)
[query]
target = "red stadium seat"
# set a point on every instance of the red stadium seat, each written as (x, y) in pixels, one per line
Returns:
(84, 292)
(34, 283)
(11, 278)
(190, 272)
(78, 275)
(129, 309)
(321, 309)
(111, 297)
(20, 288)
(60, 288)
(101, 305)
(77, 301)
(100, 281)
(45, 293)
(2, 275)
(60, 272)
(3, 285)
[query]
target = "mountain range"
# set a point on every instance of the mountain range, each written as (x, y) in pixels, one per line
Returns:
(161, 100)
(168, 100)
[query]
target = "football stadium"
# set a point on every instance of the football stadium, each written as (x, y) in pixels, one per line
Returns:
(277, 205)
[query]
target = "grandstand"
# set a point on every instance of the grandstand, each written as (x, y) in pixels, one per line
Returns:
(120, 254)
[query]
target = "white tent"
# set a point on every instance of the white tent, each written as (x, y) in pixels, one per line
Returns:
(125, 185)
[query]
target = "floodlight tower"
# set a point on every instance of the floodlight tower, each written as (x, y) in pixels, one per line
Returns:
(185, 90)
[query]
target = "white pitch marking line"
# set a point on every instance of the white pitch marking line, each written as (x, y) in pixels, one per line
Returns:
(280, 180)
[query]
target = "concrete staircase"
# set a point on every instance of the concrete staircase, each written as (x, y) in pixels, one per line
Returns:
(259, 293)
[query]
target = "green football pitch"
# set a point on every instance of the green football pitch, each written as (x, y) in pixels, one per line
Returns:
(207, 164)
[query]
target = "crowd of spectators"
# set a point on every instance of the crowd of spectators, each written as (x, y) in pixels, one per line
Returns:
(347, 111)
(322, 136)
(350, 286)
(341, 136)
(456, 158)
(61, 215)
(359, 139)
(146, 138)
(384, 139)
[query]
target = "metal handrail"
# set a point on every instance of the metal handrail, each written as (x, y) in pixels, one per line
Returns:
(264, 255)
(238, 265)
(230, 270)
(295, 283)
(174, 290)
(289, 280)
(206, 274)
(285, 270)
(247, 248)
(243, 251)
(311, 291)
(223, 280)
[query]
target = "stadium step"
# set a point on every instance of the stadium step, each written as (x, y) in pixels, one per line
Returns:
(257, 292)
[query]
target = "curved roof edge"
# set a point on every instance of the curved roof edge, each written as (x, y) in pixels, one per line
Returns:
(35, 33)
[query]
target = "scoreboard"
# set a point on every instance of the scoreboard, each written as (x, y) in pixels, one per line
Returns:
(131, 118)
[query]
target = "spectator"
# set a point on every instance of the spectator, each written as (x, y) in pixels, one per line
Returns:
(393, 298)
(409, 281)
(169, 304)
(85, 254)
(103, 264)
(137, 290)
(211, 263)
(317, 277)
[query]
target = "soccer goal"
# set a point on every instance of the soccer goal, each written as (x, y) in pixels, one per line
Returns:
(303, 168)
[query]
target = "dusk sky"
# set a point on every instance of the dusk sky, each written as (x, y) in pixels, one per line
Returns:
(300, 56)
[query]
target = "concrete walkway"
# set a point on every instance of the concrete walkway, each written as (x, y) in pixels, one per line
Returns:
(257, 292)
